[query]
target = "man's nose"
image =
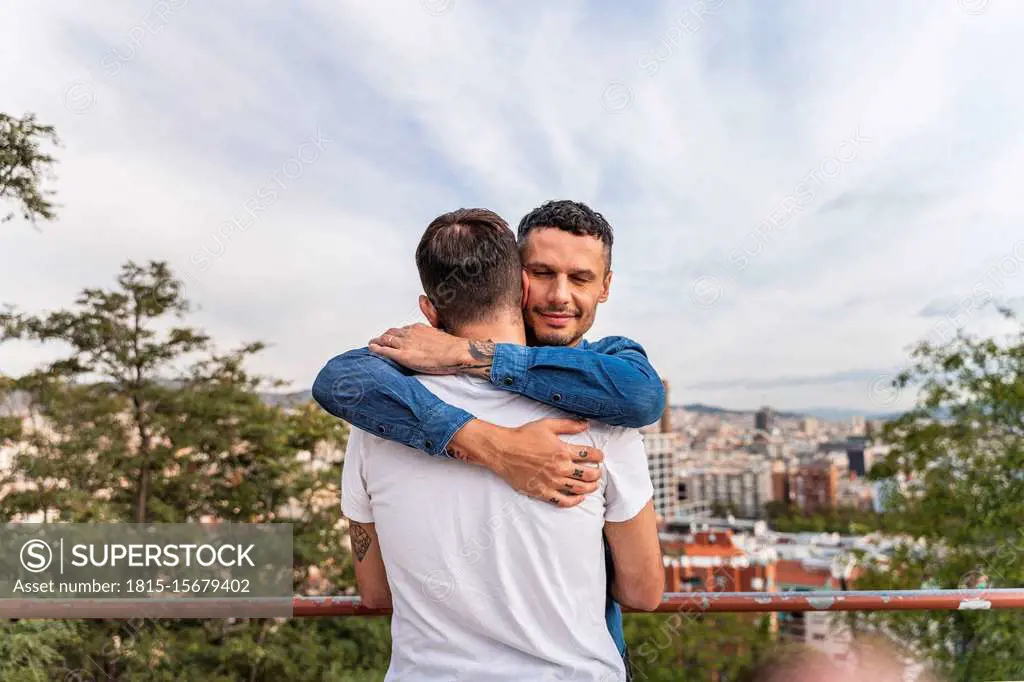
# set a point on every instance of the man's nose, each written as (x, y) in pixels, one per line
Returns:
(558, 294)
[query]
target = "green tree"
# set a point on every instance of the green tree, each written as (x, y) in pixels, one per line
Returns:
(142, 419)
(722, 510)
(962, 450)
(683, 647)
(27, 648)
(23, 167)
(787, 518)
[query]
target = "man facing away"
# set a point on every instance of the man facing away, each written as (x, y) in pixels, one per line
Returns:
(486, 583)
(566, 253)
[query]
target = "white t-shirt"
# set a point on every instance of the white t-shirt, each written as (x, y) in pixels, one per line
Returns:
(488, 584)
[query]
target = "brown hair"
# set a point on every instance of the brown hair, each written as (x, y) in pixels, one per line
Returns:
(469, 266)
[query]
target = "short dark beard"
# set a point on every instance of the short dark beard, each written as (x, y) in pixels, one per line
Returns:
(532, 340)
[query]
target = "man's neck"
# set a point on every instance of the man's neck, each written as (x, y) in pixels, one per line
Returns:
(495, 332)
(480, 340)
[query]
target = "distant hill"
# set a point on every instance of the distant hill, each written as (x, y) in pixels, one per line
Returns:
(836, 414)
(713, 409)
(824, 413)
(709, 409)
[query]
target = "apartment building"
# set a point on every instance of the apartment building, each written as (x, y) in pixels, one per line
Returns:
(744, 484)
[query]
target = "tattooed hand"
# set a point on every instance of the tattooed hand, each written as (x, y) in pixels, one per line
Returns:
(426, 350)
(532, 458)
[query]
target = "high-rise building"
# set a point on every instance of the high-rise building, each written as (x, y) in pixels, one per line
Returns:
(809, 487)
(858, 425)
(814, 486)
(661, 449)
(809, 425)
(764, 420)
(745, 488)
(780, 482)
(855, 449)
(663, 455)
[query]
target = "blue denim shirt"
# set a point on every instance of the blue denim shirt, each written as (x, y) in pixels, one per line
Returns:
(609, 380)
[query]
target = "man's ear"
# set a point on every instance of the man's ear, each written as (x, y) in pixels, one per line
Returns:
(429, 311)
(526, 289)
(605, 288)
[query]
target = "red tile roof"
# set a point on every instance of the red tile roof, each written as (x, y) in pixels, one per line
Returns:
(793, 572)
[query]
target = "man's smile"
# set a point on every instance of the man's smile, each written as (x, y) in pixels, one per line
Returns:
(557, 319)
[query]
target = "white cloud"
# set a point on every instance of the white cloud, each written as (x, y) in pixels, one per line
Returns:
(711, 123)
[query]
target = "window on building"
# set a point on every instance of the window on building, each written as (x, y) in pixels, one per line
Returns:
(693, 583)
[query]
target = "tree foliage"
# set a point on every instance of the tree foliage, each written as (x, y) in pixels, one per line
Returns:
(786, 518)
(681, 647)
(141, 419)
(962, 503)
(23, 167)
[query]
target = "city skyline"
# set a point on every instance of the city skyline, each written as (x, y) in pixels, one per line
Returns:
(799, 196)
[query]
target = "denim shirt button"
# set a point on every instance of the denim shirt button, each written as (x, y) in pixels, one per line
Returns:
(382, 429)
(508, 381)
(429, 444)
(557, 397)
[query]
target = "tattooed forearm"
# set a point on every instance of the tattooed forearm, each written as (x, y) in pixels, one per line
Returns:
(482, 354)
(360, 540)
(482, 351)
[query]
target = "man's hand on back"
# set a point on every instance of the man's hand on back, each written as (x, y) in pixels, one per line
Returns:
(533, 459)
(427, 350)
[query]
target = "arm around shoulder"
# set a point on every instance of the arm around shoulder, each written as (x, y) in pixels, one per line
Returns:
(610, 380)
(640, 382)
(376, 395)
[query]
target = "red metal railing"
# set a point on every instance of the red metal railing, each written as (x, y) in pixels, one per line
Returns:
(739, 602)
(693, 602)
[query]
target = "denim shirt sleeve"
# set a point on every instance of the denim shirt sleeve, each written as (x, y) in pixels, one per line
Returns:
(610, 380)
(381, 397)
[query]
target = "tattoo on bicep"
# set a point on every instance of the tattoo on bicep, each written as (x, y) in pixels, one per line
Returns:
(361, 540)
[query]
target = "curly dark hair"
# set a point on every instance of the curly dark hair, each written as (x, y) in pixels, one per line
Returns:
(570, 216)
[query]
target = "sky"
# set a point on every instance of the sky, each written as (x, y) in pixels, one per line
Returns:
(800, 191)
